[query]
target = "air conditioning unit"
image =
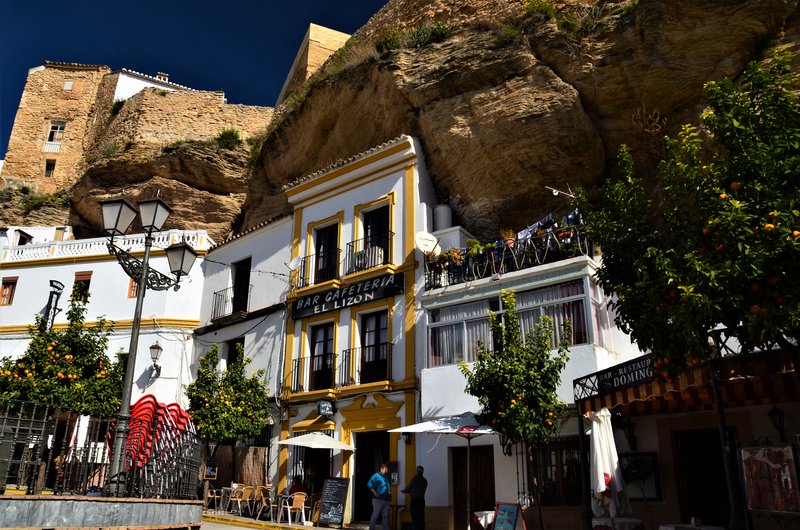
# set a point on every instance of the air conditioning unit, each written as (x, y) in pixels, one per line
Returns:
(366, 259)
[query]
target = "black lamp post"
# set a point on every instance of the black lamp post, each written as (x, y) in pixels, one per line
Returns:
(118, 215)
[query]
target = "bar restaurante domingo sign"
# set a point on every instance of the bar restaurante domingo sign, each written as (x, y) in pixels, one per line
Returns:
(348, 296)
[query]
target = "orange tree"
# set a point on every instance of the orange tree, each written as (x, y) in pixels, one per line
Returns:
(227, 406)
(67, 367)
(714, 239)
(516, 380)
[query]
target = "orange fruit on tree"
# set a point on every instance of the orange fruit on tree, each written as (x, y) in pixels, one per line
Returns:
(735, 185)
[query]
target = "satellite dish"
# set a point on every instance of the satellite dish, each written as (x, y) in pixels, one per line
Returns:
(427, 242)
(294, 263)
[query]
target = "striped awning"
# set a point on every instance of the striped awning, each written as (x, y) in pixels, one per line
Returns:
(745, 380)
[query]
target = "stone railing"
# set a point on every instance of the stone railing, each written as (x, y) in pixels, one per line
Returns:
(198, 239)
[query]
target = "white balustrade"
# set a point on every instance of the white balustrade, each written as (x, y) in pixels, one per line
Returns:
(198, 239)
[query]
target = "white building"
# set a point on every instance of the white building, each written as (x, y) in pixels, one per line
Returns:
(30, 272)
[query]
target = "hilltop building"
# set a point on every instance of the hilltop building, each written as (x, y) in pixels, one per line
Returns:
(71, 113)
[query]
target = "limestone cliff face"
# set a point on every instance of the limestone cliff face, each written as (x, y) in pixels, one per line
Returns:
(511, 103)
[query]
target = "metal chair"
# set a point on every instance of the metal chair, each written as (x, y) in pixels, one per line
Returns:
(298, 504)
(264, 501)
(213, 496)
(246, 497)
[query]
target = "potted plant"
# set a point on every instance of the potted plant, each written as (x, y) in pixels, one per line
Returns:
(453, 256)
(508, 236)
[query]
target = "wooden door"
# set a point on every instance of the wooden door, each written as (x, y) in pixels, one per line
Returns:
(481, 464)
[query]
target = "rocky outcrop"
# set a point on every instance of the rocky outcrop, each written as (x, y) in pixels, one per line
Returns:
(514, 102)
(203, 184)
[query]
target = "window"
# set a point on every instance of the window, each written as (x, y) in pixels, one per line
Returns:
(54, 136)
(376, 230)
(374, 347)
(322, 357)
(133, 288)
(68, 85)
(454, 331)
(326, 245)
(241, 284)
(49, 167)
(7, 289)
(234, 350)
(80, 289)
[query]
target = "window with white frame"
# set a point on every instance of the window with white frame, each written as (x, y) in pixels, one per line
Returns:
(54, 136)
(454, 331)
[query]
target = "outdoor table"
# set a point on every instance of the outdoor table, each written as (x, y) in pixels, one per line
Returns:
(225, 496)
(485, 518)
(282, 500)
(617, 523)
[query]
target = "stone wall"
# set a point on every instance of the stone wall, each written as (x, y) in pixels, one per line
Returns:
(45, 99)
(159, 117)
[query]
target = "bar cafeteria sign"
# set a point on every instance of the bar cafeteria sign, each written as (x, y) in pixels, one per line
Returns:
(354, 294)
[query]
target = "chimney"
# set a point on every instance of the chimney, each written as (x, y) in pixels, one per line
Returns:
(162, 76)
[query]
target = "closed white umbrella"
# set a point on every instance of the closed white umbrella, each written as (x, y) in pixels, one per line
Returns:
(605, 473)
(315, 440)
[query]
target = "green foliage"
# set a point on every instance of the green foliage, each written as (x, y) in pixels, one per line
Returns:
(228, 139)
(110, 150)
(117, 106)
(516, 384)
(507, 35)
(416, 37)
(35, 201)
(227, 406)
(539, 7)
(718, 241)
(67, 367)
(582, 20)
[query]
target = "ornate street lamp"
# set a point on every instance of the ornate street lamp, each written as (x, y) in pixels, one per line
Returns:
(155, 353)
(118, 215)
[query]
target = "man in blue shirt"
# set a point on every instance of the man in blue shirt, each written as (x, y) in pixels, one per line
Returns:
(378, 484)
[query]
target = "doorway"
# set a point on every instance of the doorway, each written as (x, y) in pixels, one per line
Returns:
(700, 476)
(372, 449)
(481, 486)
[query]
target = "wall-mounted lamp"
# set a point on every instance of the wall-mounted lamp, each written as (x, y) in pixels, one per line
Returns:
(155, 353)
(776, 418)
(505, 444)
(629, 429)
(406, 438)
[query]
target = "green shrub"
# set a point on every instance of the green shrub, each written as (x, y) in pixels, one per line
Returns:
(35, 201)
(109, 151)
(416, 37)
(507, 35)
(117, 106)
(539, 7)
(228, 139)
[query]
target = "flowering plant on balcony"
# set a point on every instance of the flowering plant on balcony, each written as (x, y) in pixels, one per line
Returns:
(452, 256)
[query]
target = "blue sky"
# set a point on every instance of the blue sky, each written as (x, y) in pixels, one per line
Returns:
(244, 47)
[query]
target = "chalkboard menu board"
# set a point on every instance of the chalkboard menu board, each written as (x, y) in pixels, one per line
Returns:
(506, 516)
(332, 503)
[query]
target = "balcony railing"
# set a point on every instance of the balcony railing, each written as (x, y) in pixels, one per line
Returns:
(368, 253)
(502, 258)
(52, 147)
(319, 268)
(375, 363)
(231, 301)
(321, 371)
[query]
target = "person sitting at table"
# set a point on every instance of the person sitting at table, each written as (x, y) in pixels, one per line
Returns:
(298, 486)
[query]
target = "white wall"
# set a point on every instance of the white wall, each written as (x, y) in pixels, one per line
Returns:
(162, 311)
(129, 85)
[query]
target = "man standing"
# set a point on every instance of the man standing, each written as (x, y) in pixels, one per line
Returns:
(378, 484)
(416, 488)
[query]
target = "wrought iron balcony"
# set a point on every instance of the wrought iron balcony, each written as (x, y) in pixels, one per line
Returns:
(319, 268)
(374, 364)
(231, 302)
(452, 268)
(321, 372)
(368, 253)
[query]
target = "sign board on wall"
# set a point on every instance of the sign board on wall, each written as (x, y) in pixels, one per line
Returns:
(356, 293)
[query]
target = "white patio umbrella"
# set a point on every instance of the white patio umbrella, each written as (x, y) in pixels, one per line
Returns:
(606, 475)
(464, 425)
(316, 440)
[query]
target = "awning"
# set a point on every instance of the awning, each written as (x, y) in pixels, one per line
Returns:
(315, 440)
(462, 424)
(745, 380)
